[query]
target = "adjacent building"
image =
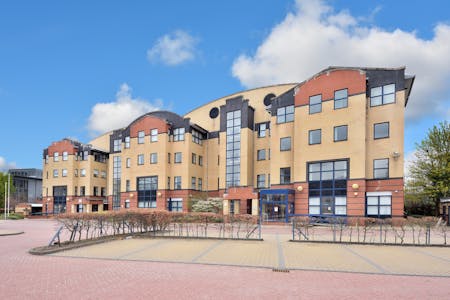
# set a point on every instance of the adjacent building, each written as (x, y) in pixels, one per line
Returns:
(330, 145)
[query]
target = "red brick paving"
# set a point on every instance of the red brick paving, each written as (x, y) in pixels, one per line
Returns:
(24, 276)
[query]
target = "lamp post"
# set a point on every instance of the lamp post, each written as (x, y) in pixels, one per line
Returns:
(9, 190)
(5, 200)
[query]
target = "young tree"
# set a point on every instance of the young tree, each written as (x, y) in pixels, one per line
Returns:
(3, 180)
(431, 170)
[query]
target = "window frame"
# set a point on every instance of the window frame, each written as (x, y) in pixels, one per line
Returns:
(384, 168)
(153, 135)
(141, 137)
(258, 154)
(336, 100)
(153, 158)
(140, 159)
(287, 138)
(177, 183)
(283, 116)
(127, 142)
(178, 134)
(313, 105)
(381, 137)
(261, 181)
(382, 95)
(320, 136)
(177, 158)
(262, 132)
(335, 135)
(194, 158)
(283, 176)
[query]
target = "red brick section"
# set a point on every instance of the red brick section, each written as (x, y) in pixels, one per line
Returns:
(60, 147)
(329, 82)
(147, 123)
(390, 185)
(241, 193)
(356, 198)
(301, 198)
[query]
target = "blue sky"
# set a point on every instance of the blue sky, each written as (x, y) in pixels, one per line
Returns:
(65, 66)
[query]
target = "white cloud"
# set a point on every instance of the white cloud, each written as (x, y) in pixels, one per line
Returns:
(173, 49)
(119, 113)
(5, 166)
(314, 37)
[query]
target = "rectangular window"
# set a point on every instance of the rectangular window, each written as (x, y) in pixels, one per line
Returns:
(168, 158)
(65, 156)
(154, 135)
(379, 205)
(46, 158)
(141, 137)
(153, 158)
(140, 159)
(381, 130)
(315, 136)
(95, 173)
(75, 191)
(127, 203)
(168, 182)
(200, 184)
(95, 191)
(64, 172)
(55, 173)
(177, 183)
(117, 145)
(56, 156)
(382, 95)
(341, 99)
(75, 172)
(127, 185)
(127, 142)
(128, 162)
(177, 157)
(328, 187)
(103, 192)
(381, 168)
(340, 133)
(285, 144)
(82, 191)
(82, 172)
(147, 187)
(103, 174)
(194, 158)
(285, 175)
(261, 154)
(233, 149)
(200, 160)
(261, 181)
(193, 183)
(196, 137)
(285, 114)
(175, 204)
(178, 134)
(315, 104)
(262, 130)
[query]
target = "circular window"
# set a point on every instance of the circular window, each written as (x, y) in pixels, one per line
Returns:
(214, 112)
(268, 99)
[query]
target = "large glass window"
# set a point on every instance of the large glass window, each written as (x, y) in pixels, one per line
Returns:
(340, 99)
(177, 183)
(381, 168)
(261, 154)
(328, 187)
(141, 137)
(147, 187)
(285, 144)
(382, 95)
(233, 149)
(178, 134)
(177, 157)
(381, 130)
(340, 133)
(315, 136)
(261, 181)
(285, 114)
(315, 104)
(285, 175)
(154, 135)
(379, 206)
(117, 174)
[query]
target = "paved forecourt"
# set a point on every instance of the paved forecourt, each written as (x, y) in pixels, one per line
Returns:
(278, 253)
